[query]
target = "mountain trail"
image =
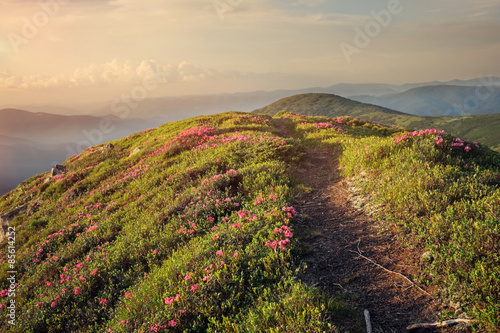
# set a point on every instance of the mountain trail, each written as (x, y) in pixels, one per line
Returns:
(349, 253)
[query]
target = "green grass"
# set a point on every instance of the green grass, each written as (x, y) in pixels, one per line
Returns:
(194, 233)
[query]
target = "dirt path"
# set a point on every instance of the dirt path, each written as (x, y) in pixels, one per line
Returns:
(334, 233)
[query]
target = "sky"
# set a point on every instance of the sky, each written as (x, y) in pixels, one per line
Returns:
(85, 51)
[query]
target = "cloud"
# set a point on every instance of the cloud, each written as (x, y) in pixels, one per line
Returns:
(189, 72)
(115, 72)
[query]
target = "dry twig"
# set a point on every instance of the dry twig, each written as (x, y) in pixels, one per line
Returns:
(401, 275)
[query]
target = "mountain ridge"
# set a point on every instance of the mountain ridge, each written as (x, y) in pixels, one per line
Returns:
(440, 100)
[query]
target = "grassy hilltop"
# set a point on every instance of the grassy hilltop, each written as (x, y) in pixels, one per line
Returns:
(481, 128)
(190, 227)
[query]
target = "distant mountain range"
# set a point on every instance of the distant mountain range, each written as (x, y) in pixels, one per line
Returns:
(182, 107)
(441, 100)
(30, 141)
(481, 128)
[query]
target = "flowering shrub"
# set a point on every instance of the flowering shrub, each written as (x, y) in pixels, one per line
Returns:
(419, 133)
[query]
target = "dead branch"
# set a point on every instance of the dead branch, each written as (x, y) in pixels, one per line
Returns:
(445, 323)
(368, 322)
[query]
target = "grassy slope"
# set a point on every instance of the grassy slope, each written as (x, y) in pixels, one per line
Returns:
(171, 238)
(484, 128)
(187, 231)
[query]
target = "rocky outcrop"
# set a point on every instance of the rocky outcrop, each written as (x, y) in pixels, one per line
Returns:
(57, 170)
(107, 147)
(5, 219)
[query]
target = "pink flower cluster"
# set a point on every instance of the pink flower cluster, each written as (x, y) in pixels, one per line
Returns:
(457, 142)
(340, 120)
(193, 136)
(287, 234)
(170, 300)
(134, 172)
(257, 119)
(157, 327)
(432, 131)
(290, 211)
(231, 172)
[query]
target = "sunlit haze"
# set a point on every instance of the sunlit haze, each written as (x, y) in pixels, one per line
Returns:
(79, 51)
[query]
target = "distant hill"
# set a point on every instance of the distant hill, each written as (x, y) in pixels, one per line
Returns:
(482, 128)
(332, 106)
(31, 142)
(47, 127)
(440, 100)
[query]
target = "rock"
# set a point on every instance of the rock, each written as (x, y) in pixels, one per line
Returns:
(57, 170)
(107, 147)
(427, 257)
(5, 219)
(136, 150)
(456, 305)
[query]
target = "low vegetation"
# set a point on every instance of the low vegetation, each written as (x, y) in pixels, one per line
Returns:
(189, 227)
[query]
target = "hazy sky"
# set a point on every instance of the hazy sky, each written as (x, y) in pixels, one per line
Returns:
(73, 51)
